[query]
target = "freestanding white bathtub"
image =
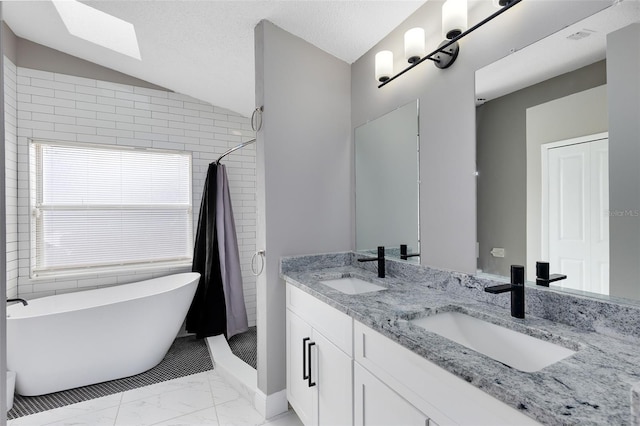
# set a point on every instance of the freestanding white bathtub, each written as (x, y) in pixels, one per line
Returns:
(77, 339)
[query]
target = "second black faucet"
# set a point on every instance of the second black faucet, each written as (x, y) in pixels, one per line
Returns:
(542, 275)
(404, 255)
(380, 260)
(516, 288)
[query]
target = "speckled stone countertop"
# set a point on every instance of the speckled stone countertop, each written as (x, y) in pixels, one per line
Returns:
(592, 387)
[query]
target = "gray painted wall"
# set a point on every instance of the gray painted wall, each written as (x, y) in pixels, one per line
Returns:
(3, 248)
(304, 165)
(623, 69)
(502, 164)
(9, 43)
(26, 54)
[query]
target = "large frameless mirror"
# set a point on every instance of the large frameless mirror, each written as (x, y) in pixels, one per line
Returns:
(387, 184)
(542, 157)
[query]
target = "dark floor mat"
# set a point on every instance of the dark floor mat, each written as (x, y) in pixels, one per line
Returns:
(245, 346)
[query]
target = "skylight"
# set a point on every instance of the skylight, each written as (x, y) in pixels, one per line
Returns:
(98, 27)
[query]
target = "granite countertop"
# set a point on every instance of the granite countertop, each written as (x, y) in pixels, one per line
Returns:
(591, 387)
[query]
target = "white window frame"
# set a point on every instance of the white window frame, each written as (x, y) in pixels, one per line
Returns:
(34, 207)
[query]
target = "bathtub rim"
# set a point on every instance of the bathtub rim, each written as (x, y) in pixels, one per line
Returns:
(22, 312)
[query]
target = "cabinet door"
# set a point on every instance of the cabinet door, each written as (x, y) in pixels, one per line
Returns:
(332, 371)
(299, 393)
(376, 404)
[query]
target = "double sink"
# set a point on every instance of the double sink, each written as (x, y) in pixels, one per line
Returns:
(512, 348)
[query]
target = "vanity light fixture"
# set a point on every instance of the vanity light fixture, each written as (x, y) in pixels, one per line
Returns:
(414, 45)
(384, 65)
(447, 52)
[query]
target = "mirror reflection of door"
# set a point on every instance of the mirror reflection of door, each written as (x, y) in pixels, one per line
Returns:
(575, 210)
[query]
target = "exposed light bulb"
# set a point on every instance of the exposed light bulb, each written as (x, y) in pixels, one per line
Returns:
(414, 45)
(384, 65)
(454, 18)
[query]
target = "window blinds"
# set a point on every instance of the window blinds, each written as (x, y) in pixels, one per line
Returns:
(97, 206)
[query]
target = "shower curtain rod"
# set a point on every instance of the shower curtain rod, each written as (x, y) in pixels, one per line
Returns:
(242, 145)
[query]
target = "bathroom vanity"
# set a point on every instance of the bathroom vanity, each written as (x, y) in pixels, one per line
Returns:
(362, 355)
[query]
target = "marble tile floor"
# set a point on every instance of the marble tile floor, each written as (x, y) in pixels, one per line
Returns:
(200, 399)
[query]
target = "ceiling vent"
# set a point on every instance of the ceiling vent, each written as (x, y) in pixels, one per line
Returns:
(580, 35)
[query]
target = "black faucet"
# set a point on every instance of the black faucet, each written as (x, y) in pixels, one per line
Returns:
(516, 288)
(380, 260)
(542, 275)
(24, 302)
(403, 252)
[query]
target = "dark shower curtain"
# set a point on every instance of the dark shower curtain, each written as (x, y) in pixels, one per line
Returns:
(207, 314)
(218, 306)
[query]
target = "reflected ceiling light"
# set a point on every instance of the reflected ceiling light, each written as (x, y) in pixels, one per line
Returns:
(384, 65)
(454, 18)
(98, 27)
(414, 45)
(454, 27)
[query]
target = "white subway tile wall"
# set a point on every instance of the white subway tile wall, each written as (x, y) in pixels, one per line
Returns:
(63, 107)
(11, 175)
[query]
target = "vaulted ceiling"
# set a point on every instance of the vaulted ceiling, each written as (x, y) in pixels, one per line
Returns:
(205, 49)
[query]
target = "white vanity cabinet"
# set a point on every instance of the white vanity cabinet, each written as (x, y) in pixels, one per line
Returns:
(319, 360)
(341, 372)
(375, 404)
(444, 398)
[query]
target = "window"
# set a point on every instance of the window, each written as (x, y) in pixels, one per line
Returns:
(100, 207)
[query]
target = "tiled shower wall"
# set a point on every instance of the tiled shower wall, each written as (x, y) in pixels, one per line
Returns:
(11, 176)
(69, 108)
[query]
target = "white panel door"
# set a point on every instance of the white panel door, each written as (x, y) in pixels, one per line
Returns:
(578, 200)
(568, 213)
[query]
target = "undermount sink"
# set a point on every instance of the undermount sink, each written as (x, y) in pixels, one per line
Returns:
(352, 285)
(517, 350)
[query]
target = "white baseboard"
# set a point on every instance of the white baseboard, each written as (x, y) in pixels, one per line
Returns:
(239, 374)
(271, 405)
(244, 379)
